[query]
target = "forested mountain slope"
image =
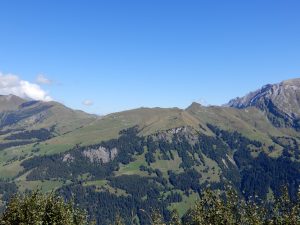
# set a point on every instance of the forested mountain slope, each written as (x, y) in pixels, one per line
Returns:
(152, 157)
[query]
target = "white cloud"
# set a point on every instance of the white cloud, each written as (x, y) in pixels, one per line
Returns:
(87, 102)
(41, 79)
(12, 84)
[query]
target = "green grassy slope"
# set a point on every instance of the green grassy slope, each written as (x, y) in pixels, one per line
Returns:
(77, 128)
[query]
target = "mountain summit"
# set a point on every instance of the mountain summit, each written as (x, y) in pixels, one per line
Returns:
(281, 102)
(22, 119)
(10, 102)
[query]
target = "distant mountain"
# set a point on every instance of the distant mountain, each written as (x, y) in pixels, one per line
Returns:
(10, 102)
(24, 121)
(21, 113)
(152, 158)
(281, 102)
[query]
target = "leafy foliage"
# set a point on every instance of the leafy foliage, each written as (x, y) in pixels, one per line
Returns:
(37, 208)
(214, 208)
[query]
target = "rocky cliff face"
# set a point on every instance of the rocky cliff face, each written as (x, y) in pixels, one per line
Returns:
(280, 102)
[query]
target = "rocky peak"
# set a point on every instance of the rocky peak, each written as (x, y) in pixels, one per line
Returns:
(284, 95)
(281, 100)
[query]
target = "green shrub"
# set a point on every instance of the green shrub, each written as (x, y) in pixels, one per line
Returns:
(42, 209)
(213, 208)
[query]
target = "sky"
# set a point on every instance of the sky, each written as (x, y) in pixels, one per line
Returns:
(114, 55)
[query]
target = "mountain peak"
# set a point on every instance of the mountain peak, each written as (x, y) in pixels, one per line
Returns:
(281, 99)
(284, 93)
(10, 97)
(294, 82)
(194, 105)
(10, 102)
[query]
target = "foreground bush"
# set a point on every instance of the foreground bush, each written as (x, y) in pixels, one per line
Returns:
(214, 209)
(41, 209)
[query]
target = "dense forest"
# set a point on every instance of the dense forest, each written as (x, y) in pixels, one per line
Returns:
(244, 164)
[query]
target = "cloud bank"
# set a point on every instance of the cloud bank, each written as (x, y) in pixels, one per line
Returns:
(12, 84)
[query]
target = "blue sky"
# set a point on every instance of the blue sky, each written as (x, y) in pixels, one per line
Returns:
(127, 54)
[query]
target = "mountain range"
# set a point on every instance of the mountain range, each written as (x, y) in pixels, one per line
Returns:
(149, 158)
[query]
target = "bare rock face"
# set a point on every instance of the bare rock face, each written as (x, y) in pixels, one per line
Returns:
(285, 95)
(184, 132)
(100, 155)
(68, 158)
(280, 102)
